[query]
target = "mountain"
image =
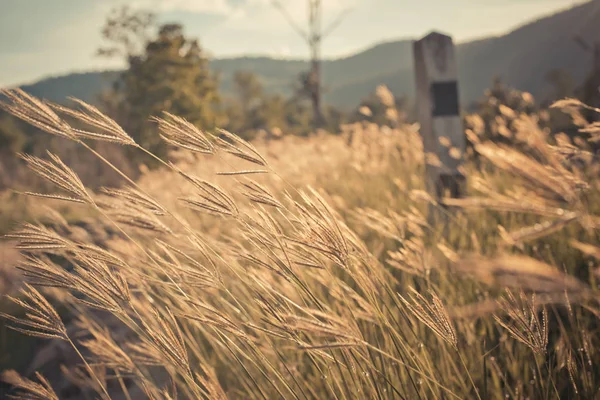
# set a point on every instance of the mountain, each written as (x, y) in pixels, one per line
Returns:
(521, 58)
(85, 86)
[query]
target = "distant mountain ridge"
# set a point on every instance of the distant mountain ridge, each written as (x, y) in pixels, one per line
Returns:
(521, 58)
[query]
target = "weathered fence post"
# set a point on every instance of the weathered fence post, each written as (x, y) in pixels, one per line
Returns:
(439, 115)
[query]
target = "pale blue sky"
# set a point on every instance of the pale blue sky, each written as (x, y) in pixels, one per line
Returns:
(39, 38)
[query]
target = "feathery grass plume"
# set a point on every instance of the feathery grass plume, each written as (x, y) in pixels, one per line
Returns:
(269, 251)
(144, 353)
(110, 131)
(570, 152)
(243, 172)
(587, 249)
(41, 271)
(594, 131)
(240, 148)
(209, 198)
(523, 322)
(155, 393)
(103, 287)
(181, 133)
(41, 319)
(573, 371)
(107, 257)
(103, 347)
(62, 176)
(200, 246)
(421, 195)
(35, 112)
(32, 390)
(140, 219)
(259, 194)
(538, 230)
(572, 103)
(522, 272)
(138, 213)
(321, 229)
(448, 252)
(541, 178)
(323, 325)
(136, 198)
(38, 237)
(208, 315)
(389, 227)
(81, 377)
(193, 274)
(302, 257)
(433, 314)
(412, 258)
(210, 381)
(505, 204)
(268, 262)
(165, 339)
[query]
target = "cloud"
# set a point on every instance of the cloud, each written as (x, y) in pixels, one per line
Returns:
(219, 7)
(263, 16)
(281, 52)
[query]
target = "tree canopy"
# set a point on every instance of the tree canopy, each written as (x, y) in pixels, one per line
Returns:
(169, 74)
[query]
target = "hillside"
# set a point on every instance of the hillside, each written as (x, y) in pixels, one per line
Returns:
(521, 58)
(85, 86)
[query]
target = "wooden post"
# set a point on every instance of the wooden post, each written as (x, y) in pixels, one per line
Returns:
(439, 114)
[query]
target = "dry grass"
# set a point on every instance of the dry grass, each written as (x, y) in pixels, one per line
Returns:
(233, 277)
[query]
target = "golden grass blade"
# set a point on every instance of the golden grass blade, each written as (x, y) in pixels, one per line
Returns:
(538, 230)
(433, 314)
(32, 390)
(32, 238)
(259, 194)
(105, 350)
(523, 321)
(41, 319)
(180, 133)
(35, 112)
(587, 249)
(244, 172)
(210, 198)
(521, 273)
(110, 131)
(136, 198)
(62, 176)
(507, 205)
(40, 271)
(240, 148)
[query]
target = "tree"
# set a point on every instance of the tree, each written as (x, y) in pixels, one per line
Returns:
(248, 89)
(561, 82)
(12, 135)
(166, 73)
(127, 33)
(242, 109)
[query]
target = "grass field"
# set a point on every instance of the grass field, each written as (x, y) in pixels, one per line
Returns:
(307, 269)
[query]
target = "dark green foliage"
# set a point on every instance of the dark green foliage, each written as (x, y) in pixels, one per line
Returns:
(12, 135)
(251, 111)
(170, 74)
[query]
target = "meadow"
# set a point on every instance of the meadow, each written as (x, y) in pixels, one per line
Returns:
(307, 268)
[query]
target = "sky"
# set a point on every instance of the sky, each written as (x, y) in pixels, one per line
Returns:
(41, 38)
